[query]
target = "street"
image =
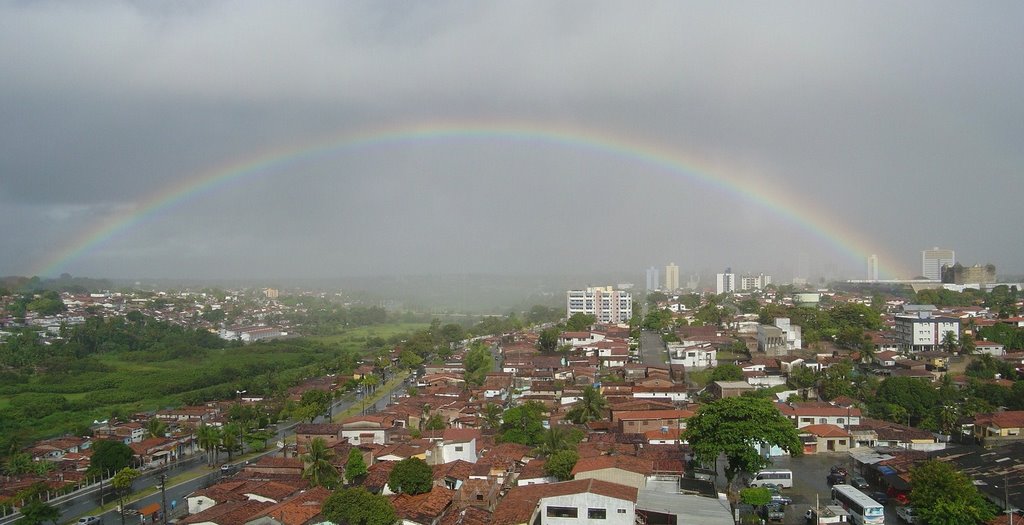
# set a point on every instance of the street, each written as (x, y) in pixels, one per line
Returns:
(652, 349)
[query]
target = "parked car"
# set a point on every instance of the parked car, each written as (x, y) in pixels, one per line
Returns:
(90, 520)
(836, 479)
(880, 497)
(907, 514)
(859, 482)
(773, 512)
(839, 469)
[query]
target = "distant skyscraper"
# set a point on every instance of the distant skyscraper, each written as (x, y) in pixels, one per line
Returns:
(725, 282)
(873, 267)
(933, 260)
(652, 279)
(671, 277)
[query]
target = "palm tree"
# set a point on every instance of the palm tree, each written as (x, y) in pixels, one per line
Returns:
(554, 439)
(318, 468)
(229, 439)
(208, 438)
(492, 415)
(156, 428)
(949, 342)
(590, 407)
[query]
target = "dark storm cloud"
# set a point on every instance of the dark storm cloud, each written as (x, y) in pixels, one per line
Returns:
(903, 121)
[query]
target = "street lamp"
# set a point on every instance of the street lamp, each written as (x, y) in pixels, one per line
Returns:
(241, 443)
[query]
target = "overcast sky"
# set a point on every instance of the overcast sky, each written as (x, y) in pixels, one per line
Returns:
(901, 122)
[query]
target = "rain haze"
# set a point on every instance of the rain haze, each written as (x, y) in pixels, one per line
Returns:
(322, 139)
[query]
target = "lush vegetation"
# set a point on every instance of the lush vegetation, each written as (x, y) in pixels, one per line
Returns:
(108, 367)
(943, 495)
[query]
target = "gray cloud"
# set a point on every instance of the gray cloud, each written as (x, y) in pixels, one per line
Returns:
(902, 122)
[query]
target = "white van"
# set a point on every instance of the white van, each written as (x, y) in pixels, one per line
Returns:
(781, 478)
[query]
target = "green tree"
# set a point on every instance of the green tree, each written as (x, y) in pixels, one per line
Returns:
(547, 341)
(409, 360)
(561, 463)
(208, 437)
(591, 406)
(802, 378)
(156, 428)
(945, 496)
(492, 415)
(726, 372)
(230, 439)
(411, 476)
(109, 456)
(658, 320)
(916, 396)
(477, 363)
(17, 464)
(553, 440)
(356, 506)
(949, 342)
(355, 467)
(967, 344)
(756, 496)
(836, 381)
(580, 322)
(435, 422)
(122, 484)
(36, 512)
(318, 468)
(523, 424)
(733, 426)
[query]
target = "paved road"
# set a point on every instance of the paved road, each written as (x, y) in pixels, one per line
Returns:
(652, 349)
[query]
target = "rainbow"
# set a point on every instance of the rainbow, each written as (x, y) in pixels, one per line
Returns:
(661, 159)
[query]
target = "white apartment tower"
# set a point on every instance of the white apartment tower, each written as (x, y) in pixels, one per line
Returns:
(671, 277)
(652, 279)
(725, 282)
(755, 282)
(872, 267)
(605, 303)
(933, 260)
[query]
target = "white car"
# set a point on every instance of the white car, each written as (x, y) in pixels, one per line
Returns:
(907, 514)
(90, 520)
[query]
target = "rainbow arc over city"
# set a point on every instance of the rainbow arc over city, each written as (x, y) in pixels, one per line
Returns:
(654, 159)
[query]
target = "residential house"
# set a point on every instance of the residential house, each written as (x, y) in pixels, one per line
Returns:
(577, 501)
(995, 428)
(819, 413)
(621, 469)
(825, 438)
(305, 433)
(369, 428)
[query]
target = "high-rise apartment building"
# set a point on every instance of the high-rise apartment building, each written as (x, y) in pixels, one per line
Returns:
(725, 282)
(652, 279)
(671, 277)
(605, 303)
(933, 260)
(754, 282)
(872, 267)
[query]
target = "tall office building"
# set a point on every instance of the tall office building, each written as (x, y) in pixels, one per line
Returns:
(725, 282)
(933, 260)
(873, 267)
(605, 303)
(671, 277)
(754, 282)
(652, 279)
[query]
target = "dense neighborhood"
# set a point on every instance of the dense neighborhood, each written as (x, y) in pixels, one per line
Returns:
(588, 421)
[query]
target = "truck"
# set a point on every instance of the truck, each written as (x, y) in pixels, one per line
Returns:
(826, 515)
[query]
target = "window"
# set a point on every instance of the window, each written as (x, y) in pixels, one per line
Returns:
(597, 514)
(458, 448)
(562, 512)
(622, 511)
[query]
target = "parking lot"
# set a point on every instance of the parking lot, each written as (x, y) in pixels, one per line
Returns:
(810, 473)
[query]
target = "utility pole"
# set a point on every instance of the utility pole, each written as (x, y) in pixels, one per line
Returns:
(163, 496)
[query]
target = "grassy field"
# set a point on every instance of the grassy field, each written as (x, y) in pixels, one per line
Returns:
(361, 334)
(44, 405)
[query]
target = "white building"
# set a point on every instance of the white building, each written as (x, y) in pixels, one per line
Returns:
(693, 355)
(755, 282)
(653, 280)
(605, 303)
(921, 332)
(780, 338)
(933, 260)
(671, 277)
(725, 282)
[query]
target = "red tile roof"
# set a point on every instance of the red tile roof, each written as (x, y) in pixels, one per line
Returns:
(520, 502)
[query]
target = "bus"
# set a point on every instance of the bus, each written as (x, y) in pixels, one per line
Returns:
(781, 478)
(863, 510)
